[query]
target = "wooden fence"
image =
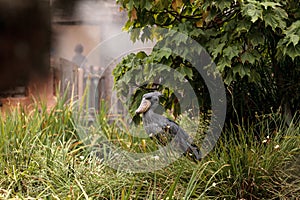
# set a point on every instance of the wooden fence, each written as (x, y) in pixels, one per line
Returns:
(72, 82)
(66, 78)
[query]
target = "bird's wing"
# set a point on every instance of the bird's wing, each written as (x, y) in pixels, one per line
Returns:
(175, 129)
(182, 140)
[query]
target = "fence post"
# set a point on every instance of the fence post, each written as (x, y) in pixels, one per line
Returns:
(80, 83)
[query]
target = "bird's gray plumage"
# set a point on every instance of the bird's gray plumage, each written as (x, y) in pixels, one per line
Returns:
(164, 129)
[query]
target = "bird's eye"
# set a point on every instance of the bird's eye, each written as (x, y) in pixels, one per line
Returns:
(148, 98)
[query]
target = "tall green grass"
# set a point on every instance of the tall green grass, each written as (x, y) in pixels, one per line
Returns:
(263, 160)
(42, 156)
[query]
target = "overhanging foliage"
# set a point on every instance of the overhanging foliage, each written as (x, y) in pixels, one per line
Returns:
(255, 45)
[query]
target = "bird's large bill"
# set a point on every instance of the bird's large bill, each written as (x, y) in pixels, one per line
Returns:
(144, 106)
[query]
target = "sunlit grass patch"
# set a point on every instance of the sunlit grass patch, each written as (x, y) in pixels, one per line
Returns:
(44, 156)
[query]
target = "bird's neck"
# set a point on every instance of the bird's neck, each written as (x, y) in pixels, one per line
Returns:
(149, 117)
(148, 114)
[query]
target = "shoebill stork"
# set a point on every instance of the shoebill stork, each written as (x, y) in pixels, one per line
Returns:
(163, 129)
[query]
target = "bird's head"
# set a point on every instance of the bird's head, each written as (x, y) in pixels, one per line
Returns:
(149, 101)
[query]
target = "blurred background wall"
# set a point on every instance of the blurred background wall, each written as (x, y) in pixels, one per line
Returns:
(25, 39)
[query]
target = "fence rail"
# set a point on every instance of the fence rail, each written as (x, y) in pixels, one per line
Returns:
(66, 78)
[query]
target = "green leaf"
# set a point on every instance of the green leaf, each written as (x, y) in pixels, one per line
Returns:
(292, 35)
(161, 4)
(135, 34)
(184, 28)
(130, 4)
(293, 51)
(281, 13)
(127, 26)
(181, 74)
(254, 11)
(141, 55)
(243, 26)
(270, 4)
(185, 71)
(224, 4)
(218, 50)
(126, 78)
(248, 57)
(187, 11)
(159, 54)
(138, 3)
(146, 34)
(160, 18)
(294, 39)
(274, 21)
(294, 28)
(188, 72)
(231, 52)
(147, 4)
(289, 45)
(242, 70)
(180, 38)
(223, 62)
(229, 77)
(197, 33)
(256, 38)
(165, 52)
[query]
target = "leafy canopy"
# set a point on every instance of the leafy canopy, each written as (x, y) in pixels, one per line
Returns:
(255, 45)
